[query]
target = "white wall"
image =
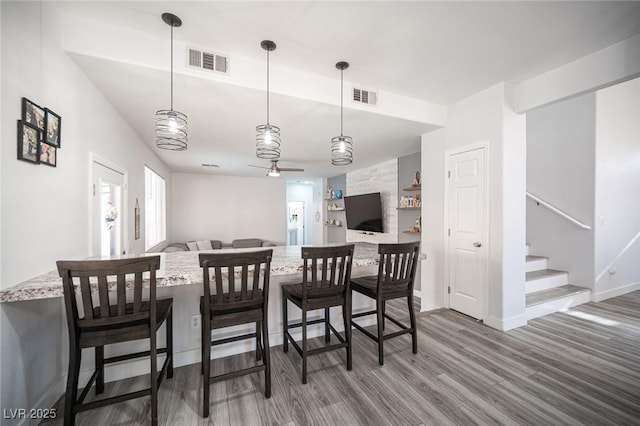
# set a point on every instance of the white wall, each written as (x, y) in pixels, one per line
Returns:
(484, 117)
(561, 171)
(228, 207)
(382, 178)
(617, 190)
(45, 210)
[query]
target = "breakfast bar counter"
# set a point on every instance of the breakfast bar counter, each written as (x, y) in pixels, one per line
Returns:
(180, 277)
(182, 268)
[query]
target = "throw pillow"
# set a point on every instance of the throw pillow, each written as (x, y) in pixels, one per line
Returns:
(193, 246)
(204, 245)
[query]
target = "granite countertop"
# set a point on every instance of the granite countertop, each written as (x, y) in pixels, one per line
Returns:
(182, 268)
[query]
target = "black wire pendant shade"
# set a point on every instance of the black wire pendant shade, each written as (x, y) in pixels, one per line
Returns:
(341, 146)
(171, 125)
(267, 135)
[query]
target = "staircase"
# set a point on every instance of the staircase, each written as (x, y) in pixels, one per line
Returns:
(548, 290)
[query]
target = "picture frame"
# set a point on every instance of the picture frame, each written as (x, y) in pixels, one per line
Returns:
(52, 125)
(136, 219)
(48, 154)
(33, 114)
(28, 142)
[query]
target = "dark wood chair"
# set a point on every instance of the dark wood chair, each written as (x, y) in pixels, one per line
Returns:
(325, 283)
(232, 302)
(395, 279)
(103, 323)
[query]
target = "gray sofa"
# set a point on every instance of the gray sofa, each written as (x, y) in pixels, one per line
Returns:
(217, 244)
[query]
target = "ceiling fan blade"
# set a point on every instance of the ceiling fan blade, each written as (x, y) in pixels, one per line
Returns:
(259, 167)
(290, 169)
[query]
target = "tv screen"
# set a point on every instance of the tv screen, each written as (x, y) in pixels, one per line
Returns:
(364, 212)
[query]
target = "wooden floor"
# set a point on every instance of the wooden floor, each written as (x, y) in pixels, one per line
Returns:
(576, 367)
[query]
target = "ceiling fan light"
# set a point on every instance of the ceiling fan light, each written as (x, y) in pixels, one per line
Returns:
(273, 173)
(341, 150)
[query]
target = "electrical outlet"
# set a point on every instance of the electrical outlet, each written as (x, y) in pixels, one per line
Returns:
(195, 321)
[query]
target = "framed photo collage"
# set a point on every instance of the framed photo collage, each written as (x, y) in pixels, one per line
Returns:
(38, 134)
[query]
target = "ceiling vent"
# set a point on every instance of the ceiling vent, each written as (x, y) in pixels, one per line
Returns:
(208, 61)
(364, 96)
(217, 166)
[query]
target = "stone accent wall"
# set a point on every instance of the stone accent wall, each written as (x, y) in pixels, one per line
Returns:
(381, 178)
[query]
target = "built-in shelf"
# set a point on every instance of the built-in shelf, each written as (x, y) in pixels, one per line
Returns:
(410, 232)
(339, 209)
(331, 224)
(332, 199)
(413, 188)
(408, 208)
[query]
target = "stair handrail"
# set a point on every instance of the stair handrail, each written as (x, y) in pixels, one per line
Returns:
(558, 211)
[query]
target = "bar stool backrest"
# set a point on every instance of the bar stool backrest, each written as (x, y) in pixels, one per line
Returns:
(397, 266)
(327, 271)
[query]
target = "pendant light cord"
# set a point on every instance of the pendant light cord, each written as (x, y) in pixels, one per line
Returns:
(341, 99)
(171, 67)
(267, 86)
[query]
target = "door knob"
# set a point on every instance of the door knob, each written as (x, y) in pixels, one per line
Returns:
(477, 244)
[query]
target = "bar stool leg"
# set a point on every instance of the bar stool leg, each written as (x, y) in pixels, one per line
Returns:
(346, 315)
(169, 331)
(206, 366)
(71, 396)
(327, 321)
(99, 351)
(154, 378)
(258, 341)
(285, 323)
(414, 332)
(267, 358)
(304, 346)
(380, 331)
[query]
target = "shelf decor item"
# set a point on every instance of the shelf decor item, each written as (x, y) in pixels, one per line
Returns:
(171, 125)
(341, 146)
(268, 136)
(338, 194)
(28, 142)
(416, 179)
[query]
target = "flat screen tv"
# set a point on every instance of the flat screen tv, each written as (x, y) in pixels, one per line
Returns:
(364, 212)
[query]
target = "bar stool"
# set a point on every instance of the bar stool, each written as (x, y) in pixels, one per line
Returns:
(329, 289)
(105, 324)
(395, 279)
(232, 304)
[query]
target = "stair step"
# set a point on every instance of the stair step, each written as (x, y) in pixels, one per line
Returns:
(545, 279)
(545, 302)
(535, 263)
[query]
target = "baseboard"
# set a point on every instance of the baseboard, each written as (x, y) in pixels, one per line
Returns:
(506, 324)
(614, 292)
(417, 293)
(47, 400)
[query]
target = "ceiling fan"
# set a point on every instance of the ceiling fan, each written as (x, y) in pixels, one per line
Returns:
(274, 170)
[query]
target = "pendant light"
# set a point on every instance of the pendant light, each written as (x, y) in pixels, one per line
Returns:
(171, 125)
(341, 146)
(268, 135)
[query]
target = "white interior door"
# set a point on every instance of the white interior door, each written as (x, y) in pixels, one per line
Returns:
(108, 221)
(467, 254)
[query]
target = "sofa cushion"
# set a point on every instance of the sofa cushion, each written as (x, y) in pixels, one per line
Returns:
(193, 246)
(246, 243)
(175, 247)
(216, 244)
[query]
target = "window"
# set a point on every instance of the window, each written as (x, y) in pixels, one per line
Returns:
(155, 222)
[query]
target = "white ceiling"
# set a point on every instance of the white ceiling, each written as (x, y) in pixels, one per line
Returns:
(438, 52)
